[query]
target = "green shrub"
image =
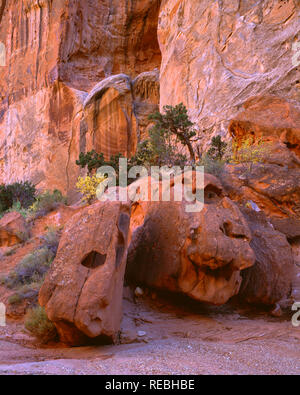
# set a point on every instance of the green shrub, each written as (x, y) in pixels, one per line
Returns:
(171, 135)
(212, 166)
(16, 207)
(22, 192)
(217, 148)
(37, 323)
(26, 292)
(51, 239)
(15, 299)
(28, 276)
(91, 159)
(32, 268)
(172, 132)
(6, 198)
(46, 202)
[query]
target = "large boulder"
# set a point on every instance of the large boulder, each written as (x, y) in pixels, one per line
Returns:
(82, 293)
(270, 279)
(199, 254)
(13, 229)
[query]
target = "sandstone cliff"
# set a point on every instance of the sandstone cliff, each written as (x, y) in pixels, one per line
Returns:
(218, 54)
(57, 51)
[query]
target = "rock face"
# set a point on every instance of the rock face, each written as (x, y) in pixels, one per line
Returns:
(82, 293)
(273, 186)
(116, 112)
(212, 255)
(274, 189)
(218, 54)
(56, 52)
(270, 279)
(83, 75)
(112, 126)
(272, 119)
(146, 89)
(213, 56)
(198, 254)
(107, 37)
(13, 229)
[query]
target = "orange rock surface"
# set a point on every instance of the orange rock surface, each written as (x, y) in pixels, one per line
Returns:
(56, 52)
(216, 55)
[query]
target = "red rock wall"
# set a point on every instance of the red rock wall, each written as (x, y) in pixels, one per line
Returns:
(57, 50)
(218, 54)
(213, 56)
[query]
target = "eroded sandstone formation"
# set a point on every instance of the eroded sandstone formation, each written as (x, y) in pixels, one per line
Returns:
(274, 189)
(218, 54)
(116, 113)
(270, 280)
(57, 51)
(13, 229)
(200, 254)
(82, 293)
(272, 120)
(213, 56)
(83, 75)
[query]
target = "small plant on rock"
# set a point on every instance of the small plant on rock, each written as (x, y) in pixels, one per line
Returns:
(15, 299)
(51, 239)
(37, 323)
(23, 193)
(249, 153)
(46, 202)
(32, 268)
(88, 185)
(217, 148)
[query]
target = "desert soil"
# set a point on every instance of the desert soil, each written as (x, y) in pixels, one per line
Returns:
(158, 338)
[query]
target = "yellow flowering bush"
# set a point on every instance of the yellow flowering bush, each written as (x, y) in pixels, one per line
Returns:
(249, 153)
(88, 186)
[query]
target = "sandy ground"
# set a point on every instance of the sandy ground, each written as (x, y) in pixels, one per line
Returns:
(158, 338)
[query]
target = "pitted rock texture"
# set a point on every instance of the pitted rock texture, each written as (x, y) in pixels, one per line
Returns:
(212, 255)
(218, 54)
(82, 293)
(199, 254)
